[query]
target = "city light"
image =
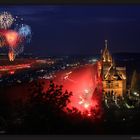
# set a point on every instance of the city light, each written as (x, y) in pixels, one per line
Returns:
(136, 94)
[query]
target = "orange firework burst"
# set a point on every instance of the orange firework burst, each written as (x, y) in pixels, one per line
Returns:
(12, 38)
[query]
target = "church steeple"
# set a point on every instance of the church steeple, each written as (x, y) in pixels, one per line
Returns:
(105, 44)
(106, 56)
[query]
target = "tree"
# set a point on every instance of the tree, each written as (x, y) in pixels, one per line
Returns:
(44, 112)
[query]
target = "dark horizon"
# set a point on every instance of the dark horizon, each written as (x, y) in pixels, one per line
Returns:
(80, 30)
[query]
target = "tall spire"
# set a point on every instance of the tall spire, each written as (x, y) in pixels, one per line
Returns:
(106, 44)
(106, 56)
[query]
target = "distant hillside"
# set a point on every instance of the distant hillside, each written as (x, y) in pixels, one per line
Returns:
(126, 55)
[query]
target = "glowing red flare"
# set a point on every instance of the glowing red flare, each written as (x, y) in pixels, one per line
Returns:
(89, 114)
(86, 87)
(12, 72)
(86, 105)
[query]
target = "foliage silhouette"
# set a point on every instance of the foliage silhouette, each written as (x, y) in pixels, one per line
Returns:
(45, 109)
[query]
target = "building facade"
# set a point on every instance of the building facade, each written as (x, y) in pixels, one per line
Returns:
(113, 77)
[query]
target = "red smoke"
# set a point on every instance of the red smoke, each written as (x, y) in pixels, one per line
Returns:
(84, 84)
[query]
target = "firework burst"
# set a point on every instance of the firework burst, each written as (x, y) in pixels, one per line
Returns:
(25, 32)
(12, 38)
(6, 20)
(13, 34)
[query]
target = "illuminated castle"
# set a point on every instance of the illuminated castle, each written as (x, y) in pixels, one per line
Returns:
(113, 77)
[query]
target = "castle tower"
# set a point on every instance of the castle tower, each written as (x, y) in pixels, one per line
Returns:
(113, 77)
(106, 59)
(106, 56)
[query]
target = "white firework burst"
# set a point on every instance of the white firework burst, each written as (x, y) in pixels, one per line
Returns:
(6, 20)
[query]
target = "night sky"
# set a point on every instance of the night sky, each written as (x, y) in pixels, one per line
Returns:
(75, 30)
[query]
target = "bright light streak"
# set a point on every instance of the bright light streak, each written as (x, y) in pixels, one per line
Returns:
(66, 77)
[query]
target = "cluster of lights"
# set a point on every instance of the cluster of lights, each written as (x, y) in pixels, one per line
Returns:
(136, 94)
(87, 104)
